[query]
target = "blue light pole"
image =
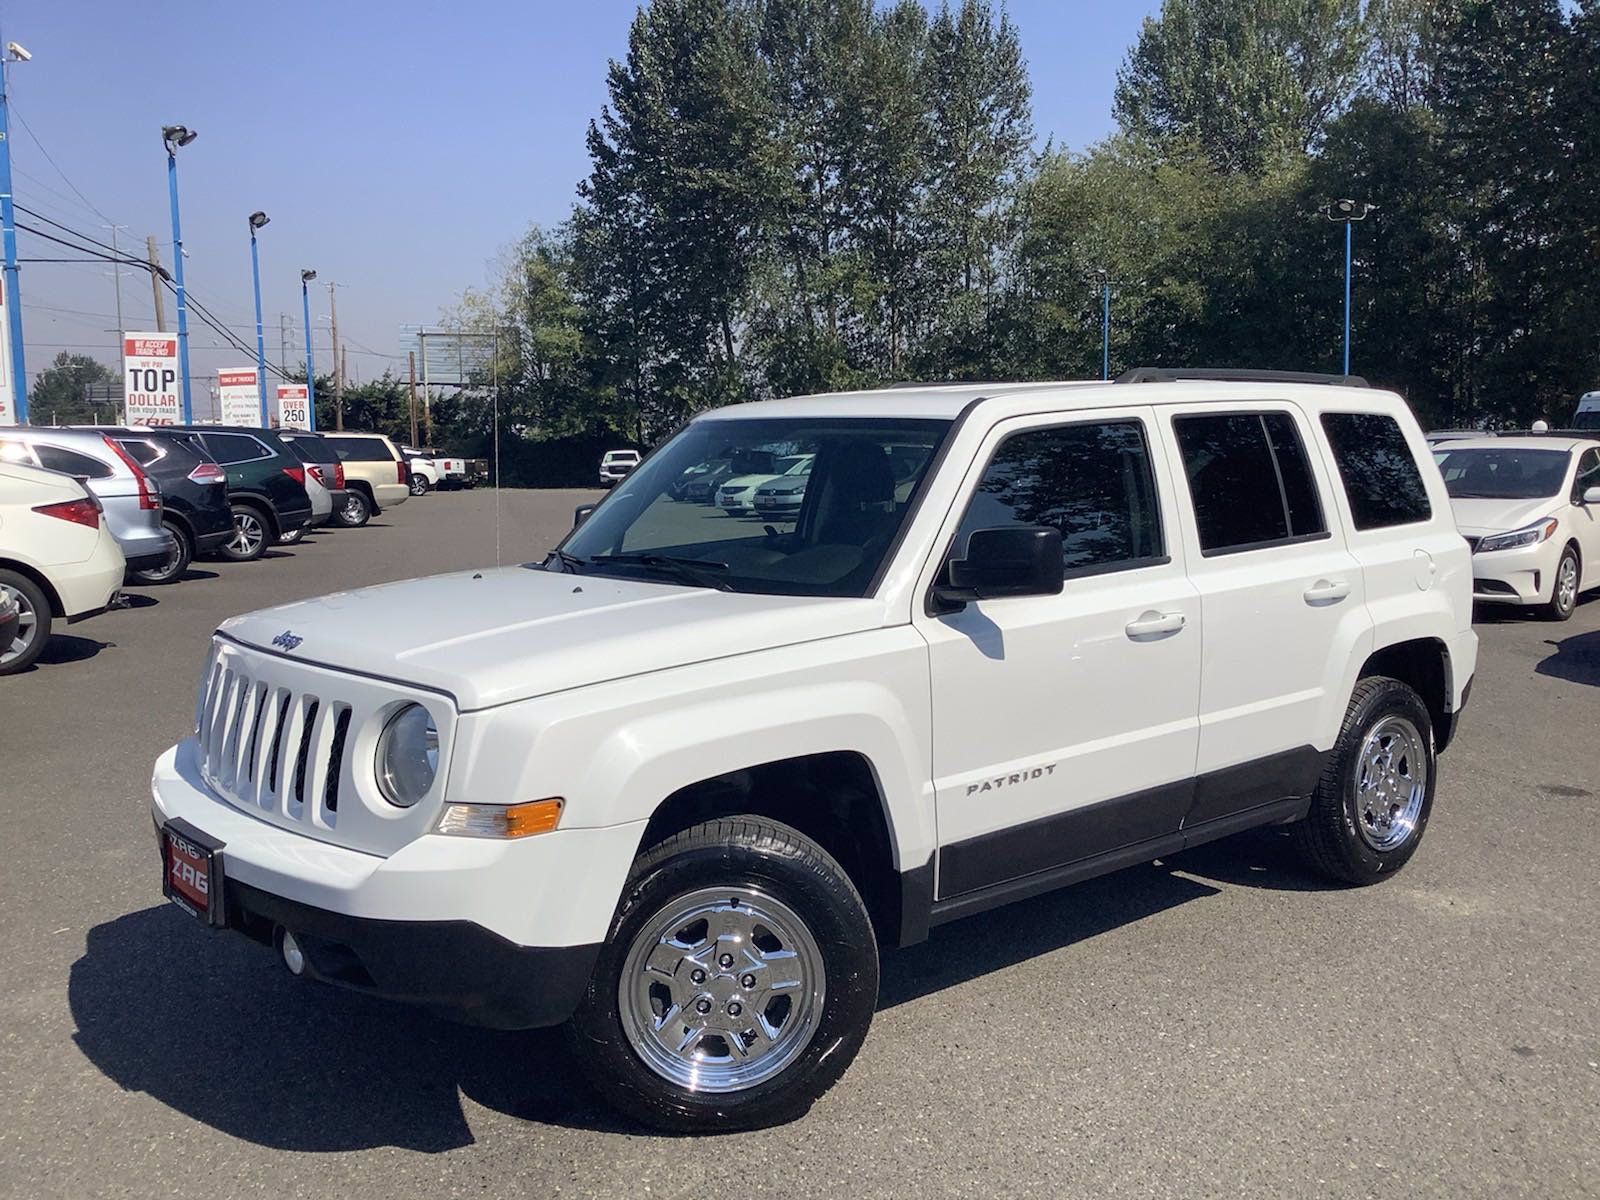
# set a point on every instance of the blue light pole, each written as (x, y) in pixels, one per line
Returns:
(257, 220)
(1348, 212)
(311, 372)
(173, 136)
(8, 223)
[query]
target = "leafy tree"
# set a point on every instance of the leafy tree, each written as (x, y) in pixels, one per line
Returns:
(60, 392)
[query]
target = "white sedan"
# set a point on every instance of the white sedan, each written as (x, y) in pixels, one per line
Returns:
(57, 558)
(1530, 509)
(737, 496)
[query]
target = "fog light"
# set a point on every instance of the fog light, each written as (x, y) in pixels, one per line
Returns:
(293, 957)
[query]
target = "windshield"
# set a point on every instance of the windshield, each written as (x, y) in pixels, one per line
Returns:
(663, 522)
(1587, 420)
(1503, 474)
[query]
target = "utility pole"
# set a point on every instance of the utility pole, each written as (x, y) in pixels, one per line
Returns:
(156, 276)
(116, 281)
(338, 362)
(283, 343)
(412, 355)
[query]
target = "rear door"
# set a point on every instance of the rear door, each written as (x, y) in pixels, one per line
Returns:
(1281, 596)
(1064, 727)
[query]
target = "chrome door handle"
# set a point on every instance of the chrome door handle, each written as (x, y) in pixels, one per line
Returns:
(1155, 624)
(1327, 591)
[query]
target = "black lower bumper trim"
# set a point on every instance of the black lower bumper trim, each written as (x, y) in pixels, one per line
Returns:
(204, 543)
(454, 968)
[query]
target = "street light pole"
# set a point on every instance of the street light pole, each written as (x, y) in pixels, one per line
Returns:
(1105, 327)
(173, 136)
(257, 220)
(311, 372)
(8, 231)
(1348, 212)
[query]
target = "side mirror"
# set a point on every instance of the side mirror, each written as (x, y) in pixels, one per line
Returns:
(582, 514)
(1591, 495)
(1000, 563)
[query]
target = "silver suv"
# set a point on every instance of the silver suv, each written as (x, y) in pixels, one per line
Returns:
(130, 497)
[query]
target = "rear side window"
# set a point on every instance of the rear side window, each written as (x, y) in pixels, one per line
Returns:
(143, 453)
(70, 462)
(307, 450)
(1092, 482)
(1249, 479)
(360, 449)
(233, 448)
(1380, 475)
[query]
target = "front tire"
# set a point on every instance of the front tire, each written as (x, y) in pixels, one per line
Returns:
(1373, 801)
(355, 512)
(251, 535)
(293, 537)
(737, 984)
(1564, 595)
(33, 629)
(176, 564)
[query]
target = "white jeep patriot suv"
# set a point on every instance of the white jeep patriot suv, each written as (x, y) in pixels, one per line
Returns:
(680, 784)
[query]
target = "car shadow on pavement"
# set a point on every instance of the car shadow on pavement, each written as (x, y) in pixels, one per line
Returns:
(1577, 659)
(65, 648)
(212, 1025)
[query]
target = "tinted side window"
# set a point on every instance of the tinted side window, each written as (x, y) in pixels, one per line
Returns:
(70, 462)
(1249, 479)
(1092, 482)
(1588, 474)
(235, 448)
(1379, 473)
(359, 449)
(143, 453)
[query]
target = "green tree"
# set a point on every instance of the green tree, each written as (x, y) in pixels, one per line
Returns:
(60, 392)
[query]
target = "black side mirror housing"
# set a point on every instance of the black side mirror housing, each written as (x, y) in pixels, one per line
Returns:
(1001, 563)
(582, 514)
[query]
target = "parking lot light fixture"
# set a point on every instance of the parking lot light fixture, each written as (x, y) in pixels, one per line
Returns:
(1348, 212)
(306, 276)
(173, 136)
(257, 219)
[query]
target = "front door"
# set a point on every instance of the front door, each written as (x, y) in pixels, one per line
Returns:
(1064, 727)
(1586, 517)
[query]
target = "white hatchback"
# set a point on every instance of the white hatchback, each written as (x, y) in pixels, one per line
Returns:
(1530, 509)
(57, 557)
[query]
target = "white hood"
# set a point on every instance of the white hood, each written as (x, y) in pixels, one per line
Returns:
(1479, 518)
(497, 635)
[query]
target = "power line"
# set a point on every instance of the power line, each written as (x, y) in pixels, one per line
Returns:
(65, 228)
(23, 122)
(132, 262)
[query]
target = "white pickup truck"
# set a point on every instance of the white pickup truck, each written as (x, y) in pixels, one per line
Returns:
(682, 783)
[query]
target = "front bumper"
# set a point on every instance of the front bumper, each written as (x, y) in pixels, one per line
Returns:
(501, 933)
(1523, 576)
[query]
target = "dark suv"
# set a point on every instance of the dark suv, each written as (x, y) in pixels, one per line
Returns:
(266, 486)
(194, 489)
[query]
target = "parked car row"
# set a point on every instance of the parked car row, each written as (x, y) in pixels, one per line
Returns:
(84, 511)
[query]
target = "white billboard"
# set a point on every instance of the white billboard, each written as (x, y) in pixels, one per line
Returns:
(238, 398)
(150, 378)
(293, 411)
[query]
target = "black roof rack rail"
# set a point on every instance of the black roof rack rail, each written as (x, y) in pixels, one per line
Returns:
(1236, 375)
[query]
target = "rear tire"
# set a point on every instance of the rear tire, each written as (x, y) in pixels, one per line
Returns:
(177, 563)
(355, 512)
(252, 533)
(1373, 801)
(734, 933)
(419, 485)
(33, 631)
(1564, 593)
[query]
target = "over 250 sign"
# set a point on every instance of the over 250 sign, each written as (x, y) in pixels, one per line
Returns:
(294, 411)
(150, 378)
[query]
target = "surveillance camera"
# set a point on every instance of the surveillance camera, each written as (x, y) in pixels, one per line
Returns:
(17, 52)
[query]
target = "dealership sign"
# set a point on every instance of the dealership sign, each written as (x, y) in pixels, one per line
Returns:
(293, 410)
(237, 394)
(150, 378)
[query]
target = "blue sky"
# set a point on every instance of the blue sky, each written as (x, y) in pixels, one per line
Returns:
(396, 146)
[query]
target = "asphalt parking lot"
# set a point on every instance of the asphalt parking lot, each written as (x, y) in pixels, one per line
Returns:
(1219, 1024)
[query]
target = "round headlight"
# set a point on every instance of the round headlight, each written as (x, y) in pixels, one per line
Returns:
(408, 756)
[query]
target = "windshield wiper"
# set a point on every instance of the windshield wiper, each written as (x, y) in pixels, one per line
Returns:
(571, 562)
(697, 572)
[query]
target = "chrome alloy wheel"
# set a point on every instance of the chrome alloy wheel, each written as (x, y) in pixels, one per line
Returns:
(1567, 583)
(27, 627)
(249, 532)
(722, 989)
(1391, 783)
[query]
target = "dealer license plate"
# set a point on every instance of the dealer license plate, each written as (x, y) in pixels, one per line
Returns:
(191, 870)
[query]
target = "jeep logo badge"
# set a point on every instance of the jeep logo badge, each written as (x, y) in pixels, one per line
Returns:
(287, 640)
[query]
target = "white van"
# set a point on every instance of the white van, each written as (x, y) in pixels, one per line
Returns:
(1588, 414)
